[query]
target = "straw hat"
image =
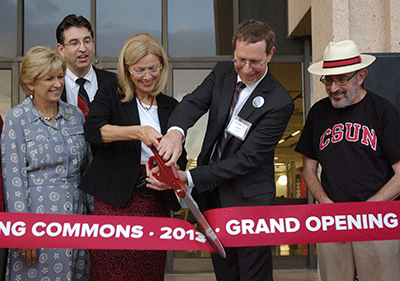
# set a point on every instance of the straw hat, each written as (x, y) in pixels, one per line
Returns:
(339, 58)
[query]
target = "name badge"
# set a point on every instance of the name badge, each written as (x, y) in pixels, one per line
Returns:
(238, 127)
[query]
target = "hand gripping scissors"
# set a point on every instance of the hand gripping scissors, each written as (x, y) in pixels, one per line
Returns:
(169, 175)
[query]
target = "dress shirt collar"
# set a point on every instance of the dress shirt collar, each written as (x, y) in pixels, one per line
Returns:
(72, 77)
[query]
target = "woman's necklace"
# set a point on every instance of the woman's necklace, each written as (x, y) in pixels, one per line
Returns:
(47, 118)
(145, 107)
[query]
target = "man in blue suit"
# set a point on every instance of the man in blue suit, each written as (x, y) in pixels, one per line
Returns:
(248, 114)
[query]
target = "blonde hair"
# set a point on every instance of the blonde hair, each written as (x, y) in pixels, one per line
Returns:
(134, 49)
(38, 62)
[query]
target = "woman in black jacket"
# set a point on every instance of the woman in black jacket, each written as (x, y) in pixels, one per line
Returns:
(125, 119)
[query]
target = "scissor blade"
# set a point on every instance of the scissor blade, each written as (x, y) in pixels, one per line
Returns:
(212, 237)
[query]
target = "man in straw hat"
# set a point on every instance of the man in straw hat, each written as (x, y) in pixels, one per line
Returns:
(355, 136)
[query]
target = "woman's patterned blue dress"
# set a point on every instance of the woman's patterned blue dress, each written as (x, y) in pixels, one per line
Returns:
(42, 165)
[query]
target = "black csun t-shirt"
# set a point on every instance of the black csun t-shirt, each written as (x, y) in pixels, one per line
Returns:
(356, 146)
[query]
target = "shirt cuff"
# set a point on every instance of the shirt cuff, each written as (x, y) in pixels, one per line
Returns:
(190, 184)
(179, 130)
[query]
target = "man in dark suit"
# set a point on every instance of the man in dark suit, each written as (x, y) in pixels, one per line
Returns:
(236, 163)
(75, 42)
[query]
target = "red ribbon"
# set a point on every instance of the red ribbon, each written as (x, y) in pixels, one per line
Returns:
(19, 230)
(301, 224)
(235, 227)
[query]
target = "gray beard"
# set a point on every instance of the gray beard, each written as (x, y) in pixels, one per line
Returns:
(348, 97)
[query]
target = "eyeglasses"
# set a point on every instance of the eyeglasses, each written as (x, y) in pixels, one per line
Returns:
(252, 64)
(151, 71)
(76, 43)
(340, 80)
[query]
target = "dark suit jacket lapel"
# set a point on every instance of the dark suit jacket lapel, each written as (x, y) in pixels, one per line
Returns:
(226, 100)
(260, 90)
(100, 75)
(162, 113)
(133, 119)
(64, 95)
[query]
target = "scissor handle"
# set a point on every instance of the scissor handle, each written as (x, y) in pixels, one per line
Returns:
(152, 160)
(168, 175)
(181, 188)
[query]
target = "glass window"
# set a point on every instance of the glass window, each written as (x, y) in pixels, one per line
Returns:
(191, 29)
(120, 19)
(43, 17)
(8, 30)
(184, 82)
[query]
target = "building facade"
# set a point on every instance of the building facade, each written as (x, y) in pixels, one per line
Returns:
(196, 35)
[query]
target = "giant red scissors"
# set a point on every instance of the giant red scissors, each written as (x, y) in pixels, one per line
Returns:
(169, 175)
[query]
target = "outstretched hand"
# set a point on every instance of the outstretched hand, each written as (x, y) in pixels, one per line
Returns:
(170, 147)
(154, 183)
(149, 136)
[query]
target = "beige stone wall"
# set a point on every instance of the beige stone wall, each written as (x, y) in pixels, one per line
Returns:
(296, 11)
(393, 25)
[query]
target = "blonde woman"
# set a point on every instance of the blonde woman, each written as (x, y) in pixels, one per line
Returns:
(43, 152)
(126, 118)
